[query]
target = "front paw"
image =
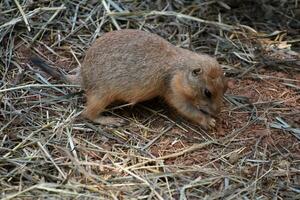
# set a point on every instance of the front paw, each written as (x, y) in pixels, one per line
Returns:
(208, 123)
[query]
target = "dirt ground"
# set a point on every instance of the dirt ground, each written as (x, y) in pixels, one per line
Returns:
(47, 150)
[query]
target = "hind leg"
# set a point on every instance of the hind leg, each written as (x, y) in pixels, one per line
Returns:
(95, 106)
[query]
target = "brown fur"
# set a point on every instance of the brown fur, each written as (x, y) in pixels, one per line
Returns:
(134, 66)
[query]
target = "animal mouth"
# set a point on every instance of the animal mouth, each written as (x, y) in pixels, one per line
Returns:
(206, 112)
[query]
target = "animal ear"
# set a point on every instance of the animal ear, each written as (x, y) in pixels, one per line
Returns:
(228, 83)
(196, 72)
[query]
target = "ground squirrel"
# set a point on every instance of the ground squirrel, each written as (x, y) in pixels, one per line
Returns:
(134, 66)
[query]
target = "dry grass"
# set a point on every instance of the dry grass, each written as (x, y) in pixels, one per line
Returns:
(48, 151)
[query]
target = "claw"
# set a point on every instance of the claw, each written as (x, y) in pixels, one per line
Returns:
(212, 123)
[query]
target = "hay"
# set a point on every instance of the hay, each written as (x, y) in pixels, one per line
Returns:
(48, 151)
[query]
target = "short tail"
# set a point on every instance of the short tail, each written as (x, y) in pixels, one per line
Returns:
(54, 72)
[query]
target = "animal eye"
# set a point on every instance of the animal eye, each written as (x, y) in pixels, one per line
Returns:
(207, 93)
(196, 72)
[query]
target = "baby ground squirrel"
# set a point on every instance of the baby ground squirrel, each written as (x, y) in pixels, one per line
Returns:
(134, 66)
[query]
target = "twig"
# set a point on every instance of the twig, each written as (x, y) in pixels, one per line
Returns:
(35, 86)
(46, 24)
(29, 15)
(180, 16)
(23, 15)
(108, 13)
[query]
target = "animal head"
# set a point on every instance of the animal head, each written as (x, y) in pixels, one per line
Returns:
(205, 88)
